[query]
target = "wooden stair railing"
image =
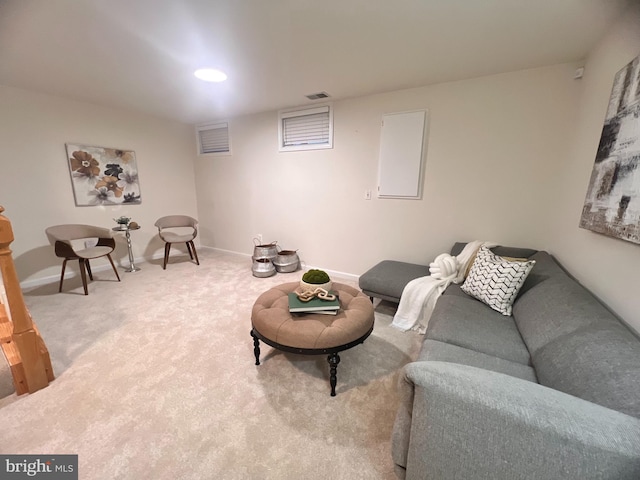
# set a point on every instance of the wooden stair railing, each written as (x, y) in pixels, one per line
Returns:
(20, 340)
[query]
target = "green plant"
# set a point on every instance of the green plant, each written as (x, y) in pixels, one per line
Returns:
(122, 220)
(315, 276)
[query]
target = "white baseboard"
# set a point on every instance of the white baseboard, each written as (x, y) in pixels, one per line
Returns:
(71, 273)
(336, 273)
(230, 252)
(37, 282)
(303, 265)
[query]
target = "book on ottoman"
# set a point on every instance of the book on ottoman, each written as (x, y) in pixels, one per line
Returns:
(314, 305)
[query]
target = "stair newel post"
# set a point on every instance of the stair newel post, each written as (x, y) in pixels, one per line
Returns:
(24, 335)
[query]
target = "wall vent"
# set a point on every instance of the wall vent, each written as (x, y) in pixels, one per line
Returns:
(317, 96)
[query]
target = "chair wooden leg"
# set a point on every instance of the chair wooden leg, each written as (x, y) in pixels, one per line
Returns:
(86, 264)
(193, 247)
(113, 265)
(189, 250)
(83, 274)
(64, 265)
(167, 248)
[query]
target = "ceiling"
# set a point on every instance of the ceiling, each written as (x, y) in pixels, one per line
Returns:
(141, 54)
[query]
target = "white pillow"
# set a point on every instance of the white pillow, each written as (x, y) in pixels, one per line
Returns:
(495, 280)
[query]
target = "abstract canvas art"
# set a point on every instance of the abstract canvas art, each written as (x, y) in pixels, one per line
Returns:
(612, 204)
(103, 176)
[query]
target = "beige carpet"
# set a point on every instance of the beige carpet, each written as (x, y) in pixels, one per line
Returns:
(156, 379)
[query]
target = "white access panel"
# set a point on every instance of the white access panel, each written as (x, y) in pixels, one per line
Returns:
(401, 155)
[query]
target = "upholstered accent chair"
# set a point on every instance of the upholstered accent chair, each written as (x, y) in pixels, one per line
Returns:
(178, 229)
(82, 243)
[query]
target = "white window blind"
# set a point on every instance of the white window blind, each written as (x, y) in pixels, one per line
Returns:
(306, 129)
(214, 139)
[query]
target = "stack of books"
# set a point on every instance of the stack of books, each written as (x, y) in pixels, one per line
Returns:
(315, 305)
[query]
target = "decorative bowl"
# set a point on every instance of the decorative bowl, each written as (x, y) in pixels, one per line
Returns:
(310, 287)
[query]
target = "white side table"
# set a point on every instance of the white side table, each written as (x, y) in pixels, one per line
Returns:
(127, 230)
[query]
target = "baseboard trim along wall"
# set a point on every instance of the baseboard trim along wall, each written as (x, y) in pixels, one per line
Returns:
(70, 273)
(303, 265)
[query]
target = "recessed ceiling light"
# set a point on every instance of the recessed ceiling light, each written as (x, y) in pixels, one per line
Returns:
(210, 75)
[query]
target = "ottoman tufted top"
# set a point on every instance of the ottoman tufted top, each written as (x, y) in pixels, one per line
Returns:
(271, 318)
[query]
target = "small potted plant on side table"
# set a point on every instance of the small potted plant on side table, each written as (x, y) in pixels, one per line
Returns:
(123, 222)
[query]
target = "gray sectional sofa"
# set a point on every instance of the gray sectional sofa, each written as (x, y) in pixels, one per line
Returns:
(551, 392)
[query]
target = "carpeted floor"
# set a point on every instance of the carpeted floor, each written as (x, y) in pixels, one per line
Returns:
(156, 379)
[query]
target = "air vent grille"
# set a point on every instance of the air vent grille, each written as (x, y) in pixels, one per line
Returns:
(317, 96)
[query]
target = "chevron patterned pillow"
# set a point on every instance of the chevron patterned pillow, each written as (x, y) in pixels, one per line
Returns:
(495, 280)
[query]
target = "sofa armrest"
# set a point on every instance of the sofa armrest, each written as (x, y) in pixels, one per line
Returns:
(466, 422)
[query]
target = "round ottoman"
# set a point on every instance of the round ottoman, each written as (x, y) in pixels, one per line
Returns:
(311, 333)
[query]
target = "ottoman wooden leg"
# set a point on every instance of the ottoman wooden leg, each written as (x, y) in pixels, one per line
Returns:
(256, 348)
(334, 360)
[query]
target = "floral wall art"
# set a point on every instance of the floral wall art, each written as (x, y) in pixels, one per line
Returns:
(103, 176)
(612, 204)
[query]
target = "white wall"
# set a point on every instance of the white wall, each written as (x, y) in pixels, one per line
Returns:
(508, 159)
(609, 267)
(35, 185)
(495, 145)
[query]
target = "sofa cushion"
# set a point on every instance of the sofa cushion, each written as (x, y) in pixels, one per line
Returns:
(455, 289)
(546, 267)
(499, 250)
(495, 280)
(599, 363)
(446, 352)
(471, 324)
(556, 307)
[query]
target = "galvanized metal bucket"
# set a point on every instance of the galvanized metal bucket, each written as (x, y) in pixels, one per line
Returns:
(269, 250)
(263, 267)
(286, 261)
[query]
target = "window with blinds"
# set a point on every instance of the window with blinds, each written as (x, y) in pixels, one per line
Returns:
(306, 129)
(213, 139)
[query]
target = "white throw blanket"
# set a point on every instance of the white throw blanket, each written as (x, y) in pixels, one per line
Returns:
(420, 295)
